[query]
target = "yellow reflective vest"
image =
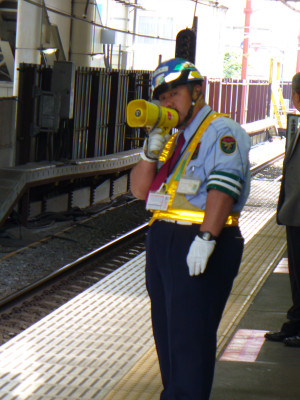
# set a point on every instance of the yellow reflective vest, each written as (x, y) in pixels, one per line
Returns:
(179, 209)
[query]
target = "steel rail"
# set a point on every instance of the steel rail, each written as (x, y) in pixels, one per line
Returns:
(256, 168)
(100, 250)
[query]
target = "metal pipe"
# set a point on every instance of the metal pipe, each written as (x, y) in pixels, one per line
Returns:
(248, 12)
(86, 8)
(71, 31)
(298, 55)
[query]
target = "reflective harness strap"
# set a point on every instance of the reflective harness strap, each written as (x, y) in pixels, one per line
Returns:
(171, 186)
(195, 217)
(169, 148)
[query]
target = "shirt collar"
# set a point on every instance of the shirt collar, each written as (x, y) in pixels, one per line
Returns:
(192, 127)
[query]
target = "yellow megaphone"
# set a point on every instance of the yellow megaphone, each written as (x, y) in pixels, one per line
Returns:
(143, 114)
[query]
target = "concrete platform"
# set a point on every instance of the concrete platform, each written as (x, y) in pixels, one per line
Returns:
(99, 345)
(262, 370)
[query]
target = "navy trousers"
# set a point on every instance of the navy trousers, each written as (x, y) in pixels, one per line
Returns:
(293, 245)
(185, 310)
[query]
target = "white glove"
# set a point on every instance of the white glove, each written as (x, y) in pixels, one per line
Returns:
(154, 145)
(198, 255)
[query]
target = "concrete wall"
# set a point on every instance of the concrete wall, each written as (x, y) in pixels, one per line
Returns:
(6, 89)
(82, 34)
(7, 131)
(28, 37)
(63, 23)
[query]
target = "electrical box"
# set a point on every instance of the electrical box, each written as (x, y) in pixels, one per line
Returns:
(48, 115)
(107, 36)
(63, 82)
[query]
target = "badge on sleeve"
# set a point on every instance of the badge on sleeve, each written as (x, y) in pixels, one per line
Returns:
(228, 144)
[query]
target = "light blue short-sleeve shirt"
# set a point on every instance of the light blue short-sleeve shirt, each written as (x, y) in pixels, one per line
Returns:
(220, 160)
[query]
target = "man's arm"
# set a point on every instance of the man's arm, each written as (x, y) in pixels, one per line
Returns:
(218, 207)
(144, 172)
(141, 178)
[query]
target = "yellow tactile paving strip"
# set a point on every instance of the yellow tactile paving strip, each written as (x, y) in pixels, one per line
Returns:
(100, 346)
(260, 256)
(142, 382)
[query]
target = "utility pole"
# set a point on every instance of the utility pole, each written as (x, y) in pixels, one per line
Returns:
(298, 55)
(247, 12)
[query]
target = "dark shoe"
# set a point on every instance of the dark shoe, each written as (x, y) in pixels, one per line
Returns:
(293, 341)
(277, 336)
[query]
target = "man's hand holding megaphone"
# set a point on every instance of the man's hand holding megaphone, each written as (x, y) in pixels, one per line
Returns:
(154, 144)
(157, 120)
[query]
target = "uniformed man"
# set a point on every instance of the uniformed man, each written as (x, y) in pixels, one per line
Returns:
(194, 245)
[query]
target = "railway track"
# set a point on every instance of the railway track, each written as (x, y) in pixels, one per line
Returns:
(259, 167)
(29, 304)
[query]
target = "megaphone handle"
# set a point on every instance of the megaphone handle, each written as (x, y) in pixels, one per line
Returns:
(163, 133)
(158, 118)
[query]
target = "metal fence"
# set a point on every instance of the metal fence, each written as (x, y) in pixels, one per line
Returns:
(101, 97)
(225, 96)
(98, 125)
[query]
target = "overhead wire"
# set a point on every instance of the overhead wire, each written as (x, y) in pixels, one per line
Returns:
(209, 3)
(285, 2)
(56, 11)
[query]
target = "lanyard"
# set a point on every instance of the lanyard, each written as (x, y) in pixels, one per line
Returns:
(188, 152)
